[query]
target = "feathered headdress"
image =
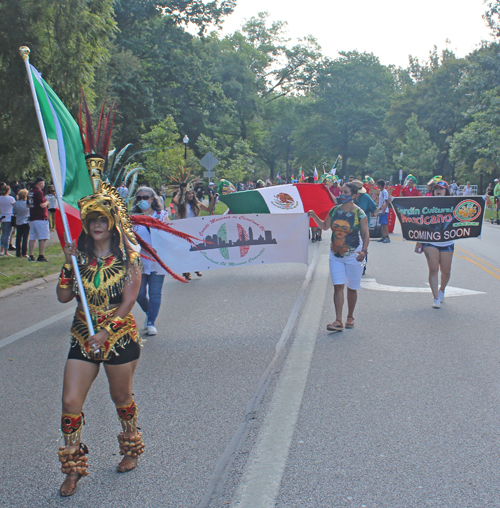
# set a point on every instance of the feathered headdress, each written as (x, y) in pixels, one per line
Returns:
(184, 181)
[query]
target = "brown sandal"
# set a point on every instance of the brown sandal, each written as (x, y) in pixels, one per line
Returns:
(199, 274)
(74, 466)
(130, 447)
(187, 275)
(336, 326)
(349, 322)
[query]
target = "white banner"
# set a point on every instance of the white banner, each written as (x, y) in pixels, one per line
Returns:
(234, 240)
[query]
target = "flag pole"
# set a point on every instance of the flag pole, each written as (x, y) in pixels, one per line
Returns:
(25, 54)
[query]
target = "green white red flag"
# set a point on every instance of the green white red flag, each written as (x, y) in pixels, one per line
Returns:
(290, 198)
(66, 151)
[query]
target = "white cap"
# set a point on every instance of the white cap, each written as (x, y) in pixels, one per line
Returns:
(211, 183)
(495, 180)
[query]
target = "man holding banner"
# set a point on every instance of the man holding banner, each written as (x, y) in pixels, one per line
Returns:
(435, 222)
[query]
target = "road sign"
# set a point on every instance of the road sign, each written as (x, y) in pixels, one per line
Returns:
(209, 161)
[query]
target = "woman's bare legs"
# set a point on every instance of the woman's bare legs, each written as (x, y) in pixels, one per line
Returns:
(120, 379)
(338, 300)
(433, 256)
(78, 378)
(445, 266)
(352, 298)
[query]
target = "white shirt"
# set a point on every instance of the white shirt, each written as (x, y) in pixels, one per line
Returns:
(147, 265)
(467, 191)
(190, 213)
(6, 205)
(382, 198)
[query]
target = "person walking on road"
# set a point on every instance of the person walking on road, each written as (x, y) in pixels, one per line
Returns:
(348, 249)
(383, 204)
(189, 207)
(111, 275)
(153, 275)
(366, 203)
(439, 256)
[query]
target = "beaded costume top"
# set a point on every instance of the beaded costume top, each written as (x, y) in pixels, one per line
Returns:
(103, 280)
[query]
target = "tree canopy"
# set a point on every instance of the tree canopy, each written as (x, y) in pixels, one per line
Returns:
(260, 102)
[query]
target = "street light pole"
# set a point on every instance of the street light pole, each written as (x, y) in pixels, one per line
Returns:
(185, 141)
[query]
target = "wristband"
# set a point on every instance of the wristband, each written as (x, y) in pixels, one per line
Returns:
(364, 250)
(66, 276)
(113, 325)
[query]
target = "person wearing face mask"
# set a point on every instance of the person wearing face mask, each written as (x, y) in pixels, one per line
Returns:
(146, 202)
(348, 249)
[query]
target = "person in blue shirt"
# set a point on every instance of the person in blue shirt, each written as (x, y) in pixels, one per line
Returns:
(366, 203)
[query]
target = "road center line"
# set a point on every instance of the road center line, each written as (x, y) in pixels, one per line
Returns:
(31, 329)
(261, 480)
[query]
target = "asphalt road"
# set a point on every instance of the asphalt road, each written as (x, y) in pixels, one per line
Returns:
(247, 401)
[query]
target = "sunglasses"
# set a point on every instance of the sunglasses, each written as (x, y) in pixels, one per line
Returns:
(441, 184)
(140, 198)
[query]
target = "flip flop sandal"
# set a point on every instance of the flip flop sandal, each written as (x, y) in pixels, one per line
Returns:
(336, 326)
(350, 322)
(187, 276)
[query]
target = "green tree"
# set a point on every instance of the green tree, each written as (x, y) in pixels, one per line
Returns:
(69, 42)
(439, 100)
(165, 152)
(350, 99)
(376, 162)
(418, 153)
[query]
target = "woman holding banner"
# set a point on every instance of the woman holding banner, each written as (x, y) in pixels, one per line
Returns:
(439, 255)
(348, 250)
(148, 203)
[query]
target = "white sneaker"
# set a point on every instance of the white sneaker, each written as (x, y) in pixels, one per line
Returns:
(436, 304)
(441, 296)
(152, 330)
(146, 322)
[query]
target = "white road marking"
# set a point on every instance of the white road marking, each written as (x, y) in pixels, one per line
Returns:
(450, 290)
(261, 480)
(31, 329)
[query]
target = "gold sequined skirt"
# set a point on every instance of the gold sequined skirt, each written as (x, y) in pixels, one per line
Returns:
(119, 339)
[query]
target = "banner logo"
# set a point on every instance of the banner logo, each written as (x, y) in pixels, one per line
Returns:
(466, 211)
(236, 241)
(284, 201)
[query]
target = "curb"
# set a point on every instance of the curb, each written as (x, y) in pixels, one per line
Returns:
(29, 284)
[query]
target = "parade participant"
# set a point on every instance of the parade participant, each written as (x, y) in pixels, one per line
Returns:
(153, 275)
(188, 207)
(410, 188)
(6, 205)
(39, 220)
(110, 270)
(383, 205)
(22, 214)
(439, 255)
(51, 205)
(496, 195)
(349, 246)
(260, 184)
(366, 203)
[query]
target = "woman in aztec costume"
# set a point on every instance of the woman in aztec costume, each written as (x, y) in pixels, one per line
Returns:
(186, 203)
(110, 268)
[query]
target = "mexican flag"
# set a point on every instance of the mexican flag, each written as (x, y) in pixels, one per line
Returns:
(66, 151)
(290, 198)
